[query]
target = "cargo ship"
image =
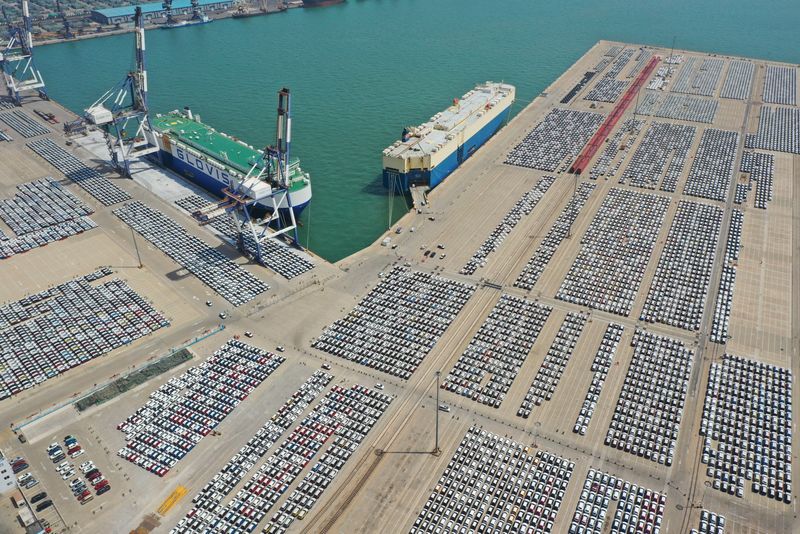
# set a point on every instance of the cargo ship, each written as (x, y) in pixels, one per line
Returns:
(214, 160)
(320, 3)
(204, 19)
(428, 153)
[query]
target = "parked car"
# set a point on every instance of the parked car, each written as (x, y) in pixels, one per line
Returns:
(44, 504)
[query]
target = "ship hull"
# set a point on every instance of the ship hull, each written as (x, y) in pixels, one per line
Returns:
(321, 3)
(185, 23)
(215, 180)
(433, 177)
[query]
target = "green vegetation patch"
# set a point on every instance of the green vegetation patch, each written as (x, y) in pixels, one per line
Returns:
(125, 383)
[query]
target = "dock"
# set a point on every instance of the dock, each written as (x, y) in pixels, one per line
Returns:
(599, 330)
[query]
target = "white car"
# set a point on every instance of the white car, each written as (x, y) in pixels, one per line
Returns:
(248, 334)
(378, 386)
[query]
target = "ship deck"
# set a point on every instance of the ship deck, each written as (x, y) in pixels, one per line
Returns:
(392, 474)
(208, 140)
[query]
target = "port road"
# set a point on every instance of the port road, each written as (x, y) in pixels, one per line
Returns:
(392, 474)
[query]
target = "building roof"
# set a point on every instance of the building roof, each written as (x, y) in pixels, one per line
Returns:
(153, 7)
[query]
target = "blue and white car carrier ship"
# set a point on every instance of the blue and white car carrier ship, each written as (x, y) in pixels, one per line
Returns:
(428, 153)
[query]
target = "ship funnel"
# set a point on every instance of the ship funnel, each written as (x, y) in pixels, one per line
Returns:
(188, 111)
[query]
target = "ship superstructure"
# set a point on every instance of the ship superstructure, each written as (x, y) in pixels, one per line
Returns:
(215, 161)
(428, 153)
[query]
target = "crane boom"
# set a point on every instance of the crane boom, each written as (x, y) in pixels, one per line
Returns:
(17, 63)
(123, 110)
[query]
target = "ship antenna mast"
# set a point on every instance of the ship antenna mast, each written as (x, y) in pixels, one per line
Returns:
(16, 61)
(122, 111)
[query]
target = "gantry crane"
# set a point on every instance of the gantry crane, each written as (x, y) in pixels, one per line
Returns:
(67, 31)
(122, 111)
(167, 5)
(265, 187)
(196, 13)
(16, 61)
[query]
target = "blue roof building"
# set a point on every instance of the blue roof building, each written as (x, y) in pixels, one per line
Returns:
(154, 10)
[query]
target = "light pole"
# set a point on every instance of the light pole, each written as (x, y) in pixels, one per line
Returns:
(136, 246)
(574, 194)
(436, 450)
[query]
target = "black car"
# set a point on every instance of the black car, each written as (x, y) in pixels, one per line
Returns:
(39, 496)
(91, 473)
(44, 504)
(19, 467)
(104, 489)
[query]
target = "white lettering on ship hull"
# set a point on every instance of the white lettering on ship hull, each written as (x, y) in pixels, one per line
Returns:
(202, 165)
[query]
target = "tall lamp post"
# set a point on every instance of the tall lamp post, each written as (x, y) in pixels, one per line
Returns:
(436, 450)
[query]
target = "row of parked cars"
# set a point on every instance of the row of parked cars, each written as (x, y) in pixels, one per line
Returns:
(495, 484)
(562, 227)
(275, 254)
(69, 325)
(91, 474)
(360, 418)
(648, 413)
(555, 362)
(188, 407)
(222, 484)
(600, 367)
(639, 509)
(395, 326)
(76, 170)
(498, 350)
(25, 480)
(346, 413)
(615, 250)
(524, 206)
(234, 283)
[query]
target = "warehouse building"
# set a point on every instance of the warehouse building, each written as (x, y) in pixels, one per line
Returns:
(155, 10)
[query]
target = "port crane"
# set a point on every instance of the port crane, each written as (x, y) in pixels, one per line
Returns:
(197, 14)
(16, 61)
(167, 5)
(122, 111)
(64, 20)
(268, 184)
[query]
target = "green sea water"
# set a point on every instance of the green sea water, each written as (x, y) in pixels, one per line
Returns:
(362, 70)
